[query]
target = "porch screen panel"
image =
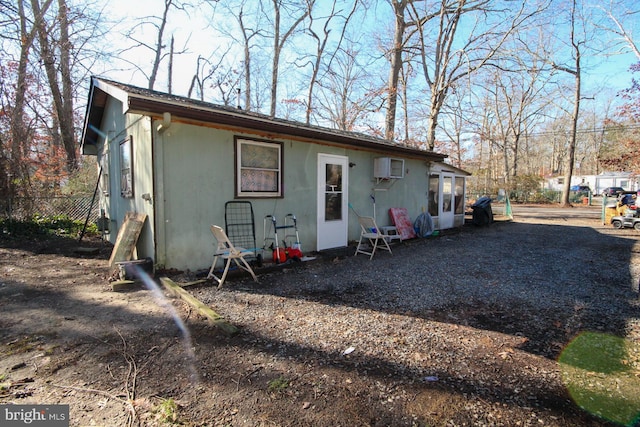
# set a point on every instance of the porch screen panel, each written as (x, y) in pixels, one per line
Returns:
(447, 193)
(459, 195)
(434, 194)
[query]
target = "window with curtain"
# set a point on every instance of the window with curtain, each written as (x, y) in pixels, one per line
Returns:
(258, 168)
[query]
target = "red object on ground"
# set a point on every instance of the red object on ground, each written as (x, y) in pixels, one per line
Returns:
(294, 253)
(404, 226)
(279, 256)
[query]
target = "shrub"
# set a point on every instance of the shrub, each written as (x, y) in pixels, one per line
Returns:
(39, 225)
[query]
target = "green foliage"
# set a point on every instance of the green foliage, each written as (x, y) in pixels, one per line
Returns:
(576, 197)
(23, 345)
(167, 412)
(528, 183)
(545, 196)
(278, 384)
(38, 226)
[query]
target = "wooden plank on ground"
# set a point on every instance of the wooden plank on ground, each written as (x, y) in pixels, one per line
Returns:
(195, 282)
(194, 302)
(125, 285)
(127, 237)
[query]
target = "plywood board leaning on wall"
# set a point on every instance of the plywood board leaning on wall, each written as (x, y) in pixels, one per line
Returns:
(127, 237)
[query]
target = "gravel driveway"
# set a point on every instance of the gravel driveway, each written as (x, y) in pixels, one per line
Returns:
(547, 259)
(455, 307)
(463, 329)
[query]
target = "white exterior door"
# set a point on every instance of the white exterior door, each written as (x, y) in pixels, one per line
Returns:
(447, 213)
(333, 200)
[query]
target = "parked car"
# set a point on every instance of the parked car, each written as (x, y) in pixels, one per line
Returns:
(584, 189)
(626, 221)
(612, 191)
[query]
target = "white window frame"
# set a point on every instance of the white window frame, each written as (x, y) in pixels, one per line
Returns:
(243, 168)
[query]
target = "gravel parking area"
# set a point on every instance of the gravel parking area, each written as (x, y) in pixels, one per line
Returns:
(477, 326)
(455, 307)
(543, 266)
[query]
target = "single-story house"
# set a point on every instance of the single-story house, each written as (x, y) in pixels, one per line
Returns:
(179, 161)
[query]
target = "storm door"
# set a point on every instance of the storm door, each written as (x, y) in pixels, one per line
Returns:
(333, 178)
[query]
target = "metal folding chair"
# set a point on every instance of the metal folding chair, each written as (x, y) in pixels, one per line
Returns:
(371, 235)
(226, 251)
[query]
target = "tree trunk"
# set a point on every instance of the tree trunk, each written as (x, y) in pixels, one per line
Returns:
(19, 145)
(158, 54)
(405, 102)
(170, 77)
(276, 59)
(278, 45)
(571, 152)
(246, 63)
(18, 128)
(394, 70)
(438, 95)
(516, 158)
(63, 106)
(67, 128)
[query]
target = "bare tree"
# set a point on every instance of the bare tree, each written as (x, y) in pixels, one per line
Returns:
(618, 12)
(26, 36)
(521, 98)
(247, 35)
(447, 56)
(245, 31)
(346, 96)
(456, 113)
(220, 76)
(407, 72)
(297, 12)
(16, 149)
(158, 47)
(395, 59)
(321, 45)
(486, 165)
(59, 77)
(51, 45)
(576, 44)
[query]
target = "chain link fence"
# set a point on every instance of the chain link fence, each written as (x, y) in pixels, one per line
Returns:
(75, 207)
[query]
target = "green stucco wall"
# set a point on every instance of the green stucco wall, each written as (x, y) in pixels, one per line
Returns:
(185, 173)
(117, 128)
(194, 171)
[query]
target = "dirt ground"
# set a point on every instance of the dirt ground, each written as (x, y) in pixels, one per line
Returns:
(122, 358)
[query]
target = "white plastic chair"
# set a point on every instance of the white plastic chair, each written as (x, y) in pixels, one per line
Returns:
(371, 233)
(228, 252)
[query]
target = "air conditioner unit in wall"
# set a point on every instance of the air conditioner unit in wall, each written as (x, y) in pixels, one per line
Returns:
(388, 168)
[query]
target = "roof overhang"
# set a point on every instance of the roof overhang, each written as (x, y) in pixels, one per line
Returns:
(99, 92)
(147, 102)
(447, 168)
